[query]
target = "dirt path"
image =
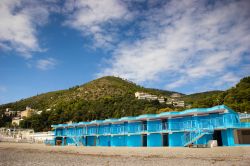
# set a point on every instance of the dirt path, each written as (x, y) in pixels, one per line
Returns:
(35, 154)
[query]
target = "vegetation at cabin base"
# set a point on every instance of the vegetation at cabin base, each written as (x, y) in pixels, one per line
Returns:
(112, 97)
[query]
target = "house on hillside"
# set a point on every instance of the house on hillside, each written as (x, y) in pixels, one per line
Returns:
(175, 100)
(175, 95)
(27, 112)
(16, 121)
(161, 100)
(9, 112)
(20, 115)
(149, 97)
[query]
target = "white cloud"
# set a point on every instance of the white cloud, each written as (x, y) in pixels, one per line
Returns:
(3, 88)
(46, 64)
(18, 25)
(188, 39)
(90, 16)
(176, 83)
(227, 78)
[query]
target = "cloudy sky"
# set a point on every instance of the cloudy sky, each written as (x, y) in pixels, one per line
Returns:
(187, 46)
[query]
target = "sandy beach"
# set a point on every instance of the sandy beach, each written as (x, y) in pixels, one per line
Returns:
(39, 154)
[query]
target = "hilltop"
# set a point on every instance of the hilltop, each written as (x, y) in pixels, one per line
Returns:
(102, 88)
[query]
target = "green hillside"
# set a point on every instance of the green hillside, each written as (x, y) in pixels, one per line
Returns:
(203, 99)
(102, 88)
(237, 97)
(113, 97)
(106, 97)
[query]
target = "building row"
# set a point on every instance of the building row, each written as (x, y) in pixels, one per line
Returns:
(186, 128)
(173, 100)
(147, 96)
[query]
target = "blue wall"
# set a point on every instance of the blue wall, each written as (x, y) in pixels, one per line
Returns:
(119, 140)
(227, 137)
(92, 130)
(70, 141)
(117, 129)
(134, 140)
(104, 140)
(92, 141)
(83, 141)
(154, 140)
(134, 127)
(204, 139)
(154, 125)
(175, 139)
(104, 129)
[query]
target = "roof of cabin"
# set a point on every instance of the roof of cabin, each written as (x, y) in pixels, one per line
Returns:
(189, 112)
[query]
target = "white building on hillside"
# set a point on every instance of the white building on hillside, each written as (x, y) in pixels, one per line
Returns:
(161, 100)
(149, 97)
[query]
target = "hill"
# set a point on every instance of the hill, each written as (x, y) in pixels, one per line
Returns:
(196, 99)
(106, 97)
(237, 97)
(102, 88)
(113, 97)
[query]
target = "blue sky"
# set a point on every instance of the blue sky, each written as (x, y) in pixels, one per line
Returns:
(187, 46)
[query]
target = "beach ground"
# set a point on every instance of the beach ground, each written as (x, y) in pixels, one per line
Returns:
(38, 154)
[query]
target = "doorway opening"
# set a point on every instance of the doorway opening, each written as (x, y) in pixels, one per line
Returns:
(217, 136)
(243, 136)
(164, 139)
(144, 140)
(59, 141)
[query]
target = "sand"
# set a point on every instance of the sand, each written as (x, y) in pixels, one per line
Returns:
(39, 154)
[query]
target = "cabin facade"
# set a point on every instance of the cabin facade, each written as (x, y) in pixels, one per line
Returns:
(174, 129)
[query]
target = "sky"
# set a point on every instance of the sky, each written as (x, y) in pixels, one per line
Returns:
(187, 46)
